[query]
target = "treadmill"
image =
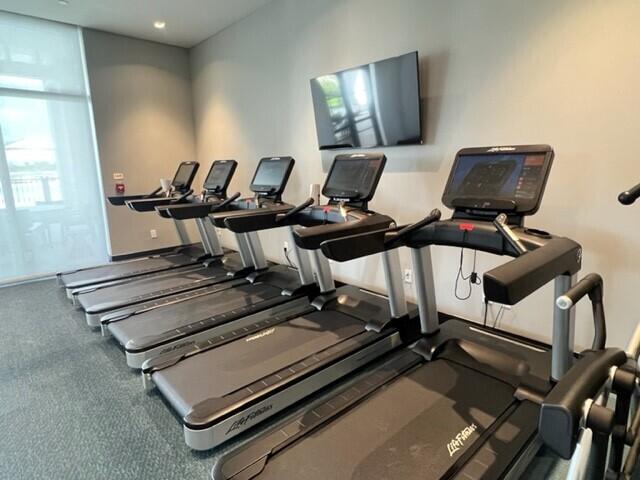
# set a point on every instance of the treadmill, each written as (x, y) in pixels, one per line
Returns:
(185, 254)
(464, 400)
(263, 364)
(176, 323)
(98, 300)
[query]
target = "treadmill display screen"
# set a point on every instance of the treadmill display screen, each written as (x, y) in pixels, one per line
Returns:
(184, 175)
(354, 177)
(515, 178)
(272, 174)
(219, 175)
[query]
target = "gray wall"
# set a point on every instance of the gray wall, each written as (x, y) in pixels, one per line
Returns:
(141, 95)
(493, 72)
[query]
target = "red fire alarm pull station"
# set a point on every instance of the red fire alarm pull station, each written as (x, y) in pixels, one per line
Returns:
(119, 188)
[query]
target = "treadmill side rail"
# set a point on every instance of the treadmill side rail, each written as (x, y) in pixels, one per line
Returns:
(255, 456)
(211, 436)
(223, 334)
(210, 328)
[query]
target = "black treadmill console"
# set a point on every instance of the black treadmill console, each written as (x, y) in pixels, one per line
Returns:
(271, 176)
(219, 177)
(184, 176)
(353, 178)
(490, 180)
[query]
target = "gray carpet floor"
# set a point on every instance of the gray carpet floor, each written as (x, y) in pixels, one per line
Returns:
(70, 408)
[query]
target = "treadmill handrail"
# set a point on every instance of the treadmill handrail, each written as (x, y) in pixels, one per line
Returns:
(511, 282)
(226, 202)
(187, 211)
(121, 200)
(283, 218)
(259, 219)
(562, 409)
(150, 204)
(481, 235)
(629, 197)
(359, 245)
(154, 192)
(376, 241)
(183, 196)
(591, 285)
(249, 208)
(547, 256)
(501, 224)
(330, 222)
(404, 232)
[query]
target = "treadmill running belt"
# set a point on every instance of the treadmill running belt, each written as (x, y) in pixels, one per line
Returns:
(156, 322)
(118, 270)
(417, 427)
(221, 371)
(137, 290)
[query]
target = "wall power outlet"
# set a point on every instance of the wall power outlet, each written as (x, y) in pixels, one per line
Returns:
(408, 276)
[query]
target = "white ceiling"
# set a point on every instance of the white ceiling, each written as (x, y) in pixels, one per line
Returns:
(188, 22)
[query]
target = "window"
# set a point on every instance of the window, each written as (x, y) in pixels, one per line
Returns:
(51, 210)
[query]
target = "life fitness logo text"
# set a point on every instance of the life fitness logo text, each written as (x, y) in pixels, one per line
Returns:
(248, 418)
(501, 149)
(458, 441)
(260, 335)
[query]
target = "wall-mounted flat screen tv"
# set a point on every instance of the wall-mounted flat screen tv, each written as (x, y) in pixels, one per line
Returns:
(372, 105)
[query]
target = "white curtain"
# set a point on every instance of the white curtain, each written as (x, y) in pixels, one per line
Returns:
(51, 209)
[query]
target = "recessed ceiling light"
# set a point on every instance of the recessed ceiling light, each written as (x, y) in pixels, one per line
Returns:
(63, 2)
(159, 24)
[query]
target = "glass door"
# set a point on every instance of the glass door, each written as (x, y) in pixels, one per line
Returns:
(51, 210)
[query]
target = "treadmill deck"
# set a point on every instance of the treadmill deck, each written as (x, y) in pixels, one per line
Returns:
(137, 291)
(446, 407)
(418, 426)
(219, 372)
(174, 321)
(115, 271)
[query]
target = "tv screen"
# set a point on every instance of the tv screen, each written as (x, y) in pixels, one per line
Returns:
(371, 105)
